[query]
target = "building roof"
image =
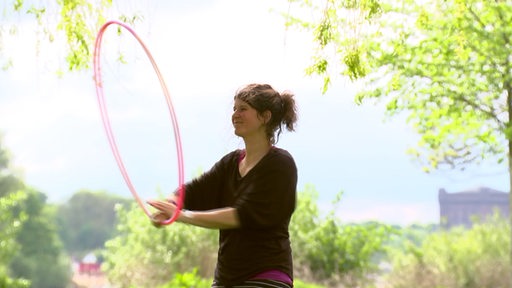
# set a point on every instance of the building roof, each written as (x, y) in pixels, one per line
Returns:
(479, 194)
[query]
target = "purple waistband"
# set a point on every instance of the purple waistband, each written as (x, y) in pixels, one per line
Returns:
(274, 275)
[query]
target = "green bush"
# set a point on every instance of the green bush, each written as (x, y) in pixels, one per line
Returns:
(333, 253)
(144, 256)
(192, 280)
(188, 280)
(6, 282)
(325, 251)
(300, 284)
(470, 258)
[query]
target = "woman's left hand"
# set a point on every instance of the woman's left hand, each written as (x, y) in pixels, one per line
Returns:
(166, 207)
(165, 211)
(158, 218)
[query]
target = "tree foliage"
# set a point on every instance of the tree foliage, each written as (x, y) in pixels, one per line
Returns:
(10, 195)
(336, 28)
(9, 227)
(27, 235)
(445, 63)
(87, 220)
(39, 243)
(72, 22)
(11, 219)
(10, 180)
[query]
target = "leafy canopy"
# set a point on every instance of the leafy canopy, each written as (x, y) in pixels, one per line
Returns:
(445, 64)
(73, 22)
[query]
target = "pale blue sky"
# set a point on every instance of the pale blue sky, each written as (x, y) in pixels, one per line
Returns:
(206, 50)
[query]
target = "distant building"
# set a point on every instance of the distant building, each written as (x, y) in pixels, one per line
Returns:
(87, 273)
(459, 209)
(89, 265)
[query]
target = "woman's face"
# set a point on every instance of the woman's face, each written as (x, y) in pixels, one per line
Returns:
(246, 120)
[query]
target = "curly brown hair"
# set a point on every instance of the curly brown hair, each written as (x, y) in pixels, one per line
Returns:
(262, 97)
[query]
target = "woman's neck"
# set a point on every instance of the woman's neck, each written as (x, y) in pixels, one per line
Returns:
(256, 149)
(254, 152)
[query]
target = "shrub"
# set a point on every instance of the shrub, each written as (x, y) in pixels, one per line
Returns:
(188, 280)
(470, 258)
(144, 256)
(332, 253)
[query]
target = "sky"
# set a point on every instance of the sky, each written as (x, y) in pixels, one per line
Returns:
(205, 51)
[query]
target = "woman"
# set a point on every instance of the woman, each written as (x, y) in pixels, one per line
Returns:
(249, 194)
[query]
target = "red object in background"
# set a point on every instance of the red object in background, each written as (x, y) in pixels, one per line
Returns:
(89, 268)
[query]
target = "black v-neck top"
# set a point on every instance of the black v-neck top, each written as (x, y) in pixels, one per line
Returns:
(265, 199)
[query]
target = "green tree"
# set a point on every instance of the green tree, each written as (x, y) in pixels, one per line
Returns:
(10, 180)
(75, 22)
(39, 243)
(10, 220)
(27, 234)
(9, 196)
(9, 227)
(445, 64)
(87, 220)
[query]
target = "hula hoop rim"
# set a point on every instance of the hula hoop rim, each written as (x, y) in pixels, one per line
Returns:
(108, 129)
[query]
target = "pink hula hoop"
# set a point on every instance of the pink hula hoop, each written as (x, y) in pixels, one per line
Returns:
(108, 128)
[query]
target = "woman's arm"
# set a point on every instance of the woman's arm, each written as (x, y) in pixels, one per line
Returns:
(223, 218)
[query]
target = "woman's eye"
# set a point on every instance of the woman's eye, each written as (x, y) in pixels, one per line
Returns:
(239, 109)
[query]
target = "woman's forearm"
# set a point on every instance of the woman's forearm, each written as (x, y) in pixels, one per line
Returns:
(224, 218)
